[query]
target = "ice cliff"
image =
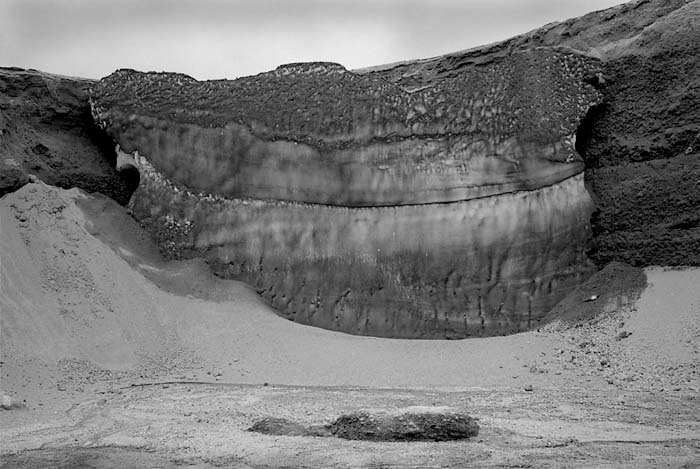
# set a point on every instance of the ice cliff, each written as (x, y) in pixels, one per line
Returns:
(427, 199)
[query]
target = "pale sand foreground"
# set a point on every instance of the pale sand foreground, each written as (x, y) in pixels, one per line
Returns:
(89, 308)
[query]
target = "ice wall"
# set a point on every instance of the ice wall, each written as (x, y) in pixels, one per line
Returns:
(450, 207)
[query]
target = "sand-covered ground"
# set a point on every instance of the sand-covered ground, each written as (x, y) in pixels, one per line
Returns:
(117, 358)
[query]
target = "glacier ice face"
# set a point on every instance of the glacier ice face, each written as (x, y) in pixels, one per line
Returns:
(364, 203)
(487, 266)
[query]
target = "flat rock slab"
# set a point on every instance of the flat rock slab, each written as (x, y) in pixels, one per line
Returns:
(408, 426)
(411, 424)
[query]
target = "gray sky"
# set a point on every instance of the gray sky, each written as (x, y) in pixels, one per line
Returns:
(230, 38)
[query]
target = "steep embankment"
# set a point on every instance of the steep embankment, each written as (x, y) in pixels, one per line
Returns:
(642, 147)
(86, 298)
(453, 209)
(46, 130)
(87, 301)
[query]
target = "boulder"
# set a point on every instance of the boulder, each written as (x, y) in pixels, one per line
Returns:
(10, 403)
(405, 426)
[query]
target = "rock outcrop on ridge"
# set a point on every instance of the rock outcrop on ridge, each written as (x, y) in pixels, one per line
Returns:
(434, 198)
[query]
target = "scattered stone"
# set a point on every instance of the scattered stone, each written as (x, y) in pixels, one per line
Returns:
(623, 335)
(529, 388)
(8, 403)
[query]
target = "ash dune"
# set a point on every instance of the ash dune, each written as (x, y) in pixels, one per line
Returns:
(74, 286)
(81, 280)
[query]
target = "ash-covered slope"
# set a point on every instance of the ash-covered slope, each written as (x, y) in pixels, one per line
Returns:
(642, 146)
(46, 130)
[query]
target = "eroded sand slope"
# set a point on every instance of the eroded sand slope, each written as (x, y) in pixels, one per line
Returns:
(84, 283)
(89, 310)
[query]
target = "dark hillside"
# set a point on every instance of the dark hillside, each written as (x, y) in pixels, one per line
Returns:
(46, 130)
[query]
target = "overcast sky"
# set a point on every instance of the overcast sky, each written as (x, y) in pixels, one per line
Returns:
(230, 38)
